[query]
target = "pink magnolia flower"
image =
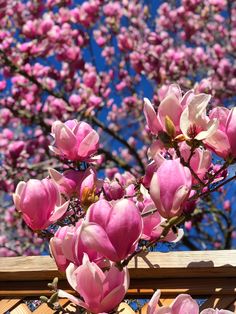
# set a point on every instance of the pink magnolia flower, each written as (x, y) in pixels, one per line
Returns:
(113, 229)
(170, 187)
(227, 205)
(171, 106)
(101, 291)
(75, 101)
(183, 304)
(152, 225)
(113, 190)
(219, 141)
(39, 202)
(15, 149)
(200, 162)
(194, 122)
(67, 246)
(74, 140)
(223, 141)
(57, 247)
(231, 130)
(81, 184)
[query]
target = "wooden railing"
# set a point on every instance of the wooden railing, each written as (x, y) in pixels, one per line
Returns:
(206, 275)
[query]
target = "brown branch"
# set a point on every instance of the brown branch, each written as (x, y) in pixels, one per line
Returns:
(213, 190)
(58, 95)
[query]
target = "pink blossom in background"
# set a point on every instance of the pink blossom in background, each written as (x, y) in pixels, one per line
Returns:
(74, 140)
(15, 149)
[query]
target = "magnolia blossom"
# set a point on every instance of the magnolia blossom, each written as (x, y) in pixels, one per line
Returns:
(171, 106)
(222, 142)
(183, 304)
(101, 291)
(112, 229)
(57, 247)
(170, 187)
(15, 149)
(67, 246)
(82, 184)
(74, 140)
(152, 225)
(186, 114)
(200, 161)
(194, 122)
(39, 202)
(113, 190)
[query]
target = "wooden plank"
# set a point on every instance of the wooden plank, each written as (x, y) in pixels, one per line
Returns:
(142, 288)
(28, 268)
(149, 265)
(29, 288)
(21, 309)
(8, 304)
(195, 286)
(43, 309)
(184, 264)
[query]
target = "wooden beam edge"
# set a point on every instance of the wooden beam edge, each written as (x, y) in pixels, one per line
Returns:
(151, 265)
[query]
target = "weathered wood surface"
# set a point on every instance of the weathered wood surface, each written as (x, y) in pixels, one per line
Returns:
(151, 265)
(206, 274)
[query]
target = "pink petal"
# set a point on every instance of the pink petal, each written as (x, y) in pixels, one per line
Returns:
(170, 106)
(153, 303)
(89, 144)
(95, 237)
(184, 304)
(59, 212)
(151, 117)
(63, 294)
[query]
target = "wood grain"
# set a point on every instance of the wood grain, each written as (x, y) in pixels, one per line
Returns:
(151, 265)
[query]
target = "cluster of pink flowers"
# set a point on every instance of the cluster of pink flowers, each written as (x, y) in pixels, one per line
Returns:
(100, 225)
(66, 59)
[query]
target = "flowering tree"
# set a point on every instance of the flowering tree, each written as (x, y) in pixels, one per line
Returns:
(119, 181)
(95, 61)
